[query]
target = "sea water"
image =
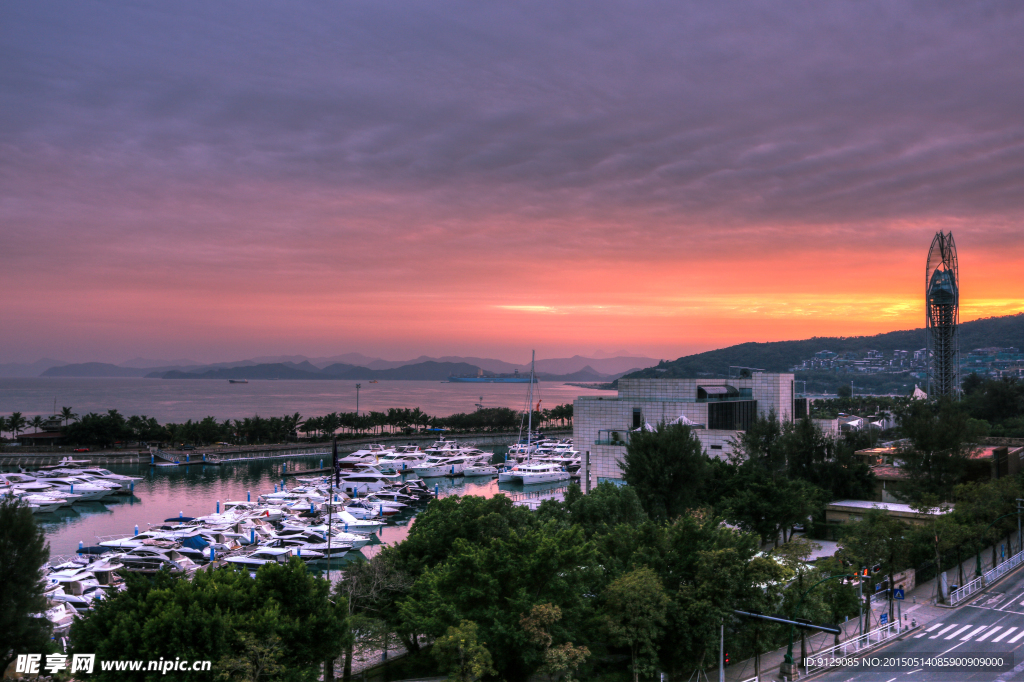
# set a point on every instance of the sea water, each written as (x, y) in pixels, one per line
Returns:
(178, 400)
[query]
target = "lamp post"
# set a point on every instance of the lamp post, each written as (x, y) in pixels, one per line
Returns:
(358, 386)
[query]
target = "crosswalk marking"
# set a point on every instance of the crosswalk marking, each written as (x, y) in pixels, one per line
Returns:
(1005, 634)
(925, 633)
(943, 631)
(966, 627)
(1018, 636)
(989, 633)
(972, 633)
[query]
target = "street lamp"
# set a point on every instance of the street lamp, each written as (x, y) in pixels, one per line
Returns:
(358, 386)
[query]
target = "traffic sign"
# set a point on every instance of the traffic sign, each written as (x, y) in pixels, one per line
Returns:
(897, 593)
(884, 618)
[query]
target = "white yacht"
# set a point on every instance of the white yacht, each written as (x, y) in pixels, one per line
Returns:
(88, 491)
(480, 470)
(267, 555)
(540, 472)
(441, 466)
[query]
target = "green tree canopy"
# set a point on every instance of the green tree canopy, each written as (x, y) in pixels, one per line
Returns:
(667, 468)
(23, 553)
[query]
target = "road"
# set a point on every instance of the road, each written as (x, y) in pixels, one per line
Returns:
(992, 625)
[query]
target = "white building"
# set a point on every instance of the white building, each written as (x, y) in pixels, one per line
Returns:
(718, 409)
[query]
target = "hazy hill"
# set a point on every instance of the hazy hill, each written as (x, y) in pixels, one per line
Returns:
(780, 356)
(95, 369)
(274, 370)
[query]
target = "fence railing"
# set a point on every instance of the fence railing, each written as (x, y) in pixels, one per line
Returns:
(961, 594)
(822, 659)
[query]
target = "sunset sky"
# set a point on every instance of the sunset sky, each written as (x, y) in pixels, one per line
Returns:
(229, 179)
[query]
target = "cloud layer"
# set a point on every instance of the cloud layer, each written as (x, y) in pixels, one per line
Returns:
(457, 176)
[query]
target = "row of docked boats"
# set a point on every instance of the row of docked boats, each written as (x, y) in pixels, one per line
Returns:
(51, 488)
(313, 520)
(537, 462)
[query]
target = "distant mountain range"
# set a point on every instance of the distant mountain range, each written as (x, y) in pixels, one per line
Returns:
(350, 366)
(780, 356)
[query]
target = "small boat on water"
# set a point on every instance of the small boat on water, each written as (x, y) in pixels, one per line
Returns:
(238, 381)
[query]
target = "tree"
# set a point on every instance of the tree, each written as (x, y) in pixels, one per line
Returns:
(220, 615)
(36, 423)
(667, 468)
(770, 507)
(876, 540)
(259, 658)
(23, 553)
(16, 423)
(67, 415)
(636, 605)
(560, 660)
(844, 391)
(462, 654)
(941, 440)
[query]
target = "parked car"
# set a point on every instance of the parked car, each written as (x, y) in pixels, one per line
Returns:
(81, 450)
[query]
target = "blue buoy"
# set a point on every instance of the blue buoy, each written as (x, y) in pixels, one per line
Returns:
(212, 553)
(284, 467)
(72, 489)
(204, 456)
(310, 507)
(180, 516)
(335, 497)
(152, 459)
(346, 526)
(404, 464)
(321, 464)
(218, 506)
(323, 534)
(252, 536)
(453, 470)
(187, 457)
(437, 490)
(248, 496)
(136, 529)
(81, 545)
(300, 551)
(132, 487)
(275, 487)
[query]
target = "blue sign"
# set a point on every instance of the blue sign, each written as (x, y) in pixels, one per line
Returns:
(884, 618)
(897, 593)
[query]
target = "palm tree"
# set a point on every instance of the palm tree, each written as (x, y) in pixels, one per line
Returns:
(67, 415)
(3, 425)
(36, 423)
(15, 423)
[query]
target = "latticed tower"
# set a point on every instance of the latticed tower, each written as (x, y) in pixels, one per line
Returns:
(942, 312)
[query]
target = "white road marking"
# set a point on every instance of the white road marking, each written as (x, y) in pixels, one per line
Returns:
(1014, 640)
(958, 632)
(925, 633)
(972, 633)
(1005, 634)
(989, 633)
(943, 631)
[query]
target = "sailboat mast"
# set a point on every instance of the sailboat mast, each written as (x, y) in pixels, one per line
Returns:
(529, 404)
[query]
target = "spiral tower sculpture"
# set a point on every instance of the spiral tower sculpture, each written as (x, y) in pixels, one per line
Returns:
(942, 313)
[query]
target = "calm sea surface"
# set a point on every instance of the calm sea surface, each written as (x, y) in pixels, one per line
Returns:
(177, 400)
(195, 490)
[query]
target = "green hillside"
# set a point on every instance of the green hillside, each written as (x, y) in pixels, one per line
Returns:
(780, 356)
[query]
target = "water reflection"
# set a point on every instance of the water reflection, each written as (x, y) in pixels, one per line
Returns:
(166, 492)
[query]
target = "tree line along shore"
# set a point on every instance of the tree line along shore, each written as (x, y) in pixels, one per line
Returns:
(112, 428)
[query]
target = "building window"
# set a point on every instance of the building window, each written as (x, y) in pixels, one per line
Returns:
(737, 415)
(716, 447)
(638, 417)
(800, 408)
